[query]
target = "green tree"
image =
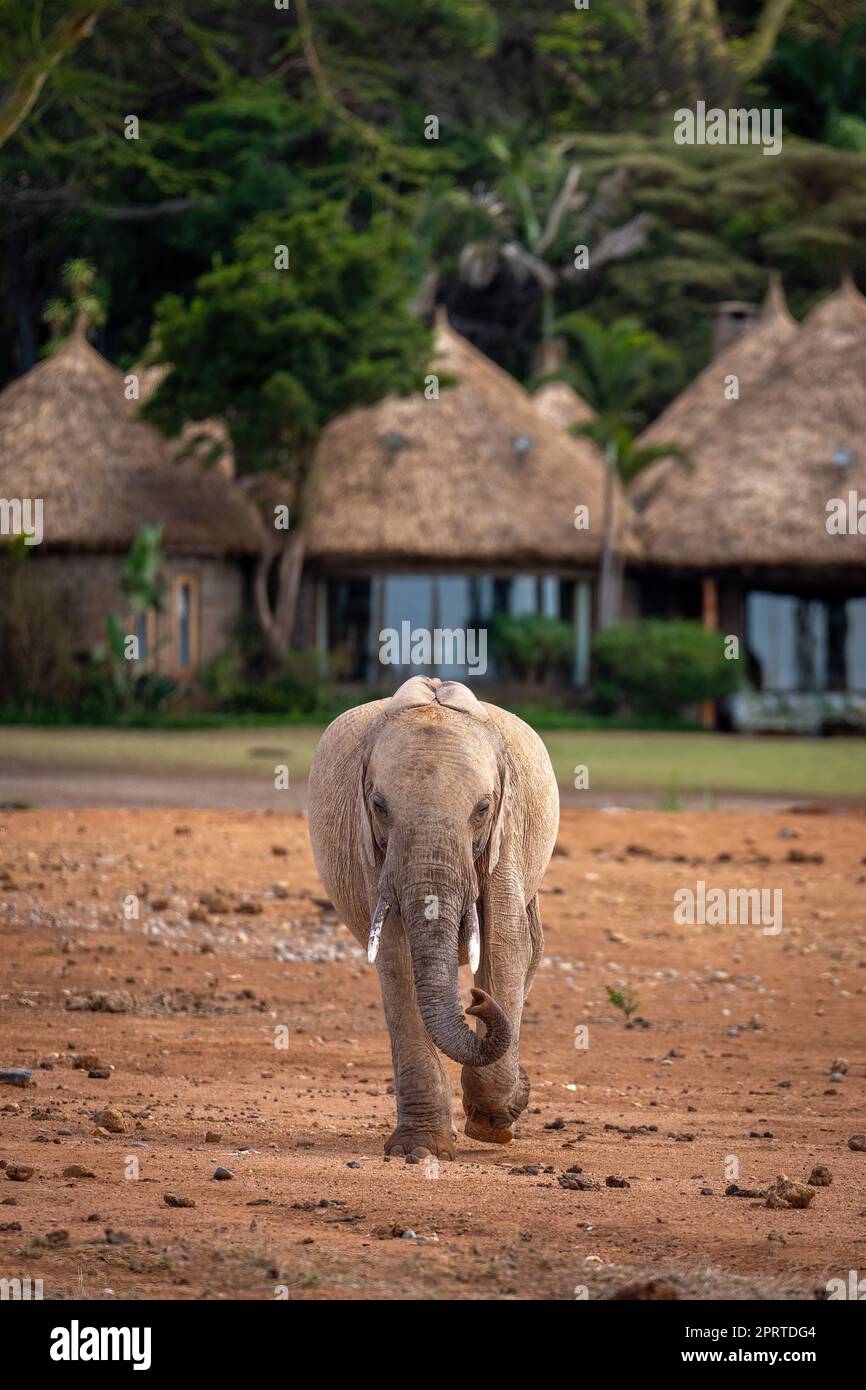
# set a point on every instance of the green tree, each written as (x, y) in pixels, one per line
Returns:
(310, 318)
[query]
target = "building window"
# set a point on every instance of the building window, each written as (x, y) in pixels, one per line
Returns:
(185, 622)
(805, 645)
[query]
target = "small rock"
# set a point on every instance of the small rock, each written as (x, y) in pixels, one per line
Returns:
(172, 1199)
(77, 1170)
(820, 1177)
(857, 1142)
(17, 1077)
(573, 1182)
(787, 1192)
(223, 1174)
(839, 1064)
(111, 1120)
(213, 1137)
(613, 1181)
(19, 1172)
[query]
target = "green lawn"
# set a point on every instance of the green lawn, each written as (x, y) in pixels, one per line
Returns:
(653, 762)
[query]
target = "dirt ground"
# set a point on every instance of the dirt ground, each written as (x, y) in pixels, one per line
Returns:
(249, 1035)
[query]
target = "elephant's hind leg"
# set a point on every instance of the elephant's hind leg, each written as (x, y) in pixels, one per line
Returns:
(424, 1124)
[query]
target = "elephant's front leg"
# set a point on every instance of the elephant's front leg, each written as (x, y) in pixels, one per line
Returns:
(494, 1096)
(424, 1124)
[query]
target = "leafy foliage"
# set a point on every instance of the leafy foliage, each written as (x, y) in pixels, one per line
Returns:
(660, 667)
(531, 645)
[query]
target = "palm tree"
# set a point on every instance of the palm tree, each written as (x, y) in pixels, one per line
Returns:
(614, 369)
(527, 223)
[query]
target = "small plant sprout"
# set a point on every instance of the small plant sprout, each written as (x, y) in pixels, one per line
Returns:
(624, 999)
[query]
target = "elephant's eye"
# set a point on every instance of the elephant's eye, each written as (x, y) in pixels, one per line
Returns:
(379, 804)
(483, 807)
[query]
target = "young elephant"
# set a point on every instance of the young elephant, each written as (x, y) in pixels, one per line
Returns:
(433, 818)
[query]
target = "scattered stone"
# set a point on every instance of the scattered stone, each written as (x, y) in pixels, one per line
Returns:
(857, 1142)
(213, 1137)
(77, 1170)
(733, 1190)
(57, 1238)
(707, 1192)
(836, 1076)
(558, 1123)
(839, 1064)
(787, 1192)
(172, 1199)
(85, 1061)
(573, 1182)
(223, 1174)
(116, 1001)
(613, 1181)
(19, 1172)
(111, 1120)
(353, 1164)
(17, 1077)
(820, 1177)
(99, 1074)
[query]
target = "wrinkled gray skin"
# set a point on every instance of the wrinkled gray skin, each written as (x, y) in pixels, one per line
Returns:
(434, 801)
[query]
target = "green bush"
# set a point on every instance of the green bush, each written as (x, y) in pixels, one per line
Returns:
(531, 646)
(299, 686)
(658, 667)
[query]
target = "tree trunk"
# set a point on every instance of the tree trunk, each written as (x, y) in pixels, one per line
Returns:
(608, 603)
(277, 621)
(32, 78)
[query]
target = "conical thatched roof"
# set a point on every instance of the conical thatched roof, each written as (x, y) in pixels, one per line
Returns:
(69, 436)
(561, 405)
(765, 467)
(476, 477)
(703, 407)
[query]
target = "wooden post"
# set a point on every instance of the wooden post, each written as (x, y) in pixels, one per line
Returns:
(710, 615)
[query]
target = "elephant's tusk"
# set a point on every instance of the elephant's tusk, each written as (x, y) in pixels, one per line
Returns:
(377, 922)
(473, 940)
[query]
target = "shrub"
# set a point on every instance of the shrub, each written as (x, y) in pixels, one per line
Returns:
(298, 686)
(659, 667)
(531, 645)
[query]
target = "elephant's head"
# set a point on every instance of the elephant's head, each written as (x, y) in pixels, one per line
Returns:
(433, 808)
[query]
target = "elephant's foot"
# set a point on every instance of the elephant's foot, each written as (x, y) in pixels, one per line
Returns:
(487, 1120)
(408, 1141)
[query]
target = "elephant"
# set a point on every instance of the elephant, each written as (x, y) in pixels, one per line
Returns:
(433, 817)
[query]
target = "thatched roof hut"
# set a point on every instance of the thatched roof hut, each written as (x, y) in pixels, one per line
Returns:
(764, 467)
(69, 436)
(706, 407)
(473, 478)
(561, 405)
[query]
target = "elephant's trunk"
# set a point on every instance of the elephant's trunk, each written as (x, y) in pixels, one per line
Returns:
(432, 905)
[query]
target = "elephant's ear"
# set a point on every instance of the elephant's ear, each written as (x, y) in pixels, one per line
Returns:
(365, 828)
(503, 811)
